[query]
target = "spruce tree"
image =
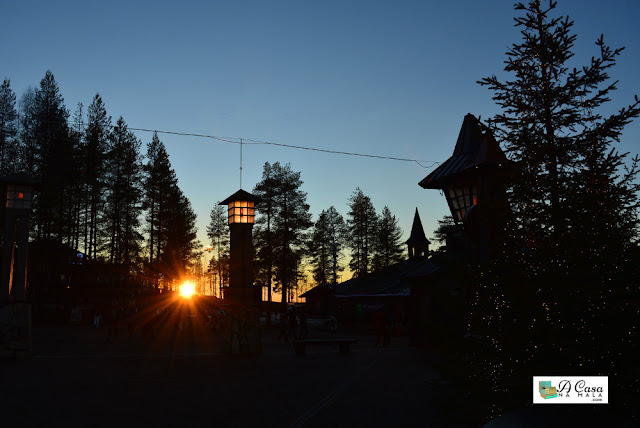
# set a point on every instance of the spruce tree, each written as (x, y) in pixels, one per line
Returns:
(551, 126)
(388, 245)
(325, 246)
(574, 200)
(362, 227)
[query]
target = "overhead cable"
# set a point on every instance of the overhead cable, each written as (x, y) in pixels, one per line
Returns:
(234, 140)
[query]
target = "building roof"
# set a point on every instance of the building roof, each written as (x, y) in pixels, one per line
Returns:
(475, 147)
(392, 281)
(417, 232)
(241, 195)
(318, 291)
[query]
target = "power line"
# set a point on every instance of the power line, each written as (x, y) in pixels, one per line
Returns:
(242, 141)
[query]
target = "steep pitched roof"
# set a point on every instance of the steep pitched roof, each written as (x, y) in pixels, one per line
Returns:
(417, 231)
(476, 146)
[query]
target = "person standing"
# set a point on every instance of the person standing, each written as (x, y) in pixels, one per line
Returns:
(292, 325)
(333, 325)
(304, 329)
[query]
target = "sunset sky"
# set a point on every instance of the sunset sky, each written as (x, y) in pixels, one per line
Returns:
(389, 78)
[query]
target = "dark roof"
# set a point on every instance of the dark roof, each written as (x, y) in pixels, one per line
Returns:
(417, 231)
(241, 195)
(475, 147)
(318, 291)
(392, 281)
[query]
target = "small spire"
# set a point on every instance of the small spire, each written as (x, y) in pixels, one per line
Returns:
(417, 232)
(418, 243)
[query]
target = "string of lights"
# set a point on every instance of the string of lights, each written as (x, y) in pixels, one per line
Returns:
(245, 141)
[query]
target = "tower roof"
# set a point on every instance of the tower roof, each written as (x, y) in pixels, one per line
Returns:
(475, 147)
(241, 195)
(417, 232)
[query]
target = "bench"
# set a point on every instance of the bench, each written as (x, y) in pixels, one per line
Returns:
(343, 344)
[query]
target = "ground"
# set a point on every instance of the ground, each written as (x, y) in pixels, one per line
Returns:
(76, 378)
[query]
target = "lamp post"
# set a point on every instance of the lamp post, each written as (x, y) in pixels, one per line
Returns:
(15, 310)
(241, 218)
(473, 182)
(243, 329)
(17, 209)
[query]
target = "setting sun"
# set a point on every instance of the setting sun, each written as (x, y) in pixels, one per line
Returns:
(187, 289)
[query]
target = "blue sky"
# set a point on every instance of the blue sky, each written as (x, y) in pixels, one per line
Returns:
(390, 78)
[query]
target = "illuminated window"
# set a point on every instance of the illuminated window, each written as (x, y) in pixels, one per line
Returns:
(461, 198)
(19, 197)
(241, 212)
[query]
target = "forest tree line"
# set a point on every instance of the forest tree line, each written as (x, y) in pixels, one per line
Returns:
(288, 243)
(100, 193)
(97, 191)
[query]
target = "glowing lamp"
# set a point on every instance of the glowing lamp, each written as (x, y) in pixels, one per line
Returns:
(461, 197)
(19, 196)
(241, 212)
(472, 173)
(241, 207)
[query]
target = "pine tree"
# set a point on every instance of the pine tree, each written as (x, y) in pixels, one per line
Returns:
(94, 160)
(362, 227)
(444, 226)
(8, 130)
(77, 191)
(178, 223)
(325, 246)
(124, 190)
(159, 183)
(264, 231)
(27, 132)
(291, 218)
(218, 233)
(388, 244)
(52, 158)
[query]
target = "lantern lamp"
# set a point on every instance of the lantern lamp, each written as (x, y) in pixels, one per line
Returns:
(19, 189)
(473, 181)
(241, 207)
(241, 212)
(19, 195)
(461, 197)
(471, 174)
